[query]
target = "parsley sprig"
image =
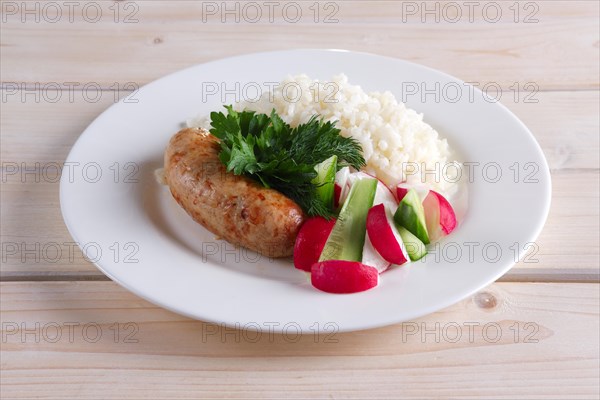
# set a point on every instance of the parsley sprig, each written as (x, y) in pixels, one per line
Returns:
(267, 149)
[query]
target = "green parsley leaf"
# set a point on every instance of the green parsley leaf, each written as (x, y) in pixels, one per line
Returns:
(267, 149)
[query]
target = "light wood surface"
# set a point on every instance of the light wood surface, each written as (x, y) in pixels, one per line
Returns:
(513, 340)
(158, 354)
(31, 215)
(554, 53)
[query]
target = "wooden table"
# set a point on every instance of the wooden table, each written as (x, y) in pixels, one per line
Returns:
(69, 332)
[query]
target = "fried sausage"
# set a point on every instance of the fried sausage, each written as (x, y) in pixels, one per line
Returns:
(235, 208)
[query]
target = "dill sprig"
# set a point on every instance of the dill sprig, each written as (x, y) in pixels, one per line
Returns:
(267, 149)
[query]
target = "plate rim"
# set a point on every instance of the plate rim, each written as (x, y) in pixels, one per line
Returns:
(449, 300)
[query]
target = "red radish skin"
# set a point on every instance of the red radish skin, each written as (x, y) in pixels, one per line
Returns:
(447, 216)
(381, 235)
(338, 276)
(401, 192)
(439, 215)
(339, 194)
(310, 241)
(403, 188)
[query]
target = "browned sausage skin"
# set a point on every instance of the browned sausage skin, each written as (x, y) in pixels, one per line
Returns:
(235, 208)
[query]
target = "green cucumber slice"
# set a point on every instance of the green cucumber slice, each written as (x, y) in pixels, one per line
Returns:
(325, 180)
(411, 215)
(414, 247)
(347, 239)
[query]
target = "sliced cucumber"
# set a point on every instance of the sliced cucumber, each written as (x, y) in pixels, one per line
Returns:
(414, 247)
(411, 215)
(347, 239)
(325, 180)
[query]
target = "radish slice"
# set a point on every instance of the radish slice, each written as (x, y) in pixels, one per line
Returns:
(403, 188)
(338, 276)
(342, 176)
(439, 215)
(310, 241)
(337, 194)
(401, 192)
(383, 195)
(341, 185)
(431, 206)
(447, 215)
(372, 258)
(384, 236)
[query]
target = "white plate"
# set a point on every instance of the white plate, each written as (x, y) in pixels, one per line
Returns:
(137, 235)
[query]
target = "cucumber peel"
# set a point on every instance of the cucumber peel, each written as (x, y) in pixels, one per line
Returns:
(347, 239)
(325, 180)
(411, 215)
(414, 247)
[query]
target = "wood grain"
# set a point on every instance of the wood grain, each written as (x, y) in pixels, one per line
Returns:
(311, 12)
(554, 53)
(31, 215)
(37, 245)
(548, 343)
(375, 12)
(564, 123)
(527, 341)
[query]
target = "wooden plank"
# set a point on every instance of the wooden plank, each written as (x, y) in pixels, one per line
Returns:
(42, 130)
(548, 345)
(562, 251)
(512, 340)
(107, 52)
(36, 244)
(303, 12)
(564, 123)
(371, 12)
(31, 215)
